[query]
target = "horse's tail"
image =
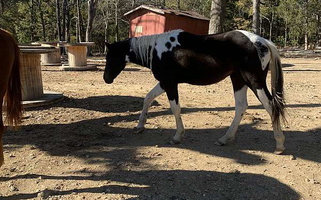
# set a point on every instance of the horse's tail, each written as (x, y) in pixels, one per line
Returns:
(13, 96)
(278, 103)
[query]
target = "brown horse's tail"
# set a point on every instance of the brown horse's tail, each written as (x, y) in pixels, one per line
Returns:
(278, 103)
(13, 96)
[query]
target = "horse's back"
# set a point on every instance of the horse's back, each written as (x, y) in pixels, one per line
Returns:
(7, 54)
(208, 59)
(6, 40)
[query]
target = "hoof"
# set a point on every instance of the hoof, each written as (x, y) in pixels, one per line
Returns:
(219, 143)
(173, 141)
(139, 130)
(279, 151)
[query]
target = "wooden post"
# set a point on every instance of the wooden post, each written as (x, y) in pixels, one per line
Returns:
(30, 72)
(31, 79)
(77, 57)
(52, 58)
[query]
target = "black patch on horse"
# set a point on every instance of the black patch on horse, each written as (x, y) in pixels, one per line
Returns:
(168, 45)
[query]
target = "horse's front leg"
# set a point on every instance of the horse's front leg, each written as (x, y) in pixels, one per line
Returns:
(240, 107)
(172, 94)
(155, 92)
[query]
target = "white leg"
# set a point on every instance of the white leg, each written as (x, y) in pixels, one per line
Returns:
(155, 92)
(176, 109)
(240, 107)
(278, 134)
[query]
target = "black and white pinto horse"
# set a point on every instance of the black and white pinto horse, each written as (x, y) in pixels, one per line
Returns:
(180, 57)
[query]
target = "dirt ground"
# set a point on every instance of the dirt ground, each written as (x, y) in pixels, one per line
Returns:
(84, 147)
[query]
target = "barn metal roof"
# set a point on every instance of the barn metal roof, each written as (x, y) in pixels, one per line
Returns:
(163, 11)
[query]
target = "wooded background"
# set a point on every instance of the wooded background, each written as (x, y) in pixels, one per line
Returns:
(288, 23)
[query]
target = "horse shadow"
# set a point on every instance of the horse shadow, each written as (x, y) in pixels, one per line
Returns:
(108, 104)
(71, 137)
(287, 65)
(81, 140)
(171, 184)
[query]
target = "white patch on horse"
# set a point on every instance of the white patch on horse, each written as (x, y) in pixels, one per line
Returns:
(166, 42)
(155, 92)
(144, 46)
(278, 134)
(259, 43)
(140, 46)
(127, 58)
(176, 109)
(264, 100)
(240, 107)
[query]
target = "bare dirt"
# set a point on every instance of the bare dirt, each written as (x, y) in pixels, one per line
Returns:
(84, 147)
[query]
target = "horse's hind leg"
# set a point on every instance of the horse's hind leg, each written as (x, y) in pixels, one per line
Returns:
(266, 99)
(240, 95)
(258, 86)
(155, 92)
(172, 94)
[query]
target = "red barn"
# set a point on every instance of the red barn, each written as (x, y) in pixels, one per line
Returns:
(148, 20)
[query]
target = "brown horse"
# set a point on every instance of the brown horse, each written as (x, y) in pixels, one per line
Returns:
(10, 86)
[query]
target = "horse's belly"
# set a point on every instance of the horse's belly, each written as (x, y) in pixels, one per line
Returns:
(205, 79)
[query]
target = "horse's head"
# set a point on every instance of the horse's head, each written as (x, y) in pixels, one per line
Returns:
(115, 59)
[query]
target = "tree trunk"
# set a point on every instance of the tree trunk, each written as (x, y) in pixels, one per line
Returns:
(306, 35)
(318, 32)
(91, 15)
(256, 17)
(64, 15)
(79, 22)
(271, 26)
(116, 21)
(68, 19)
(106, 35)
(2, 6)
(43, 23)
(58, 20)
(32, 20)
(105, 12)
(306, 44)
(286, 34)
(216, 16)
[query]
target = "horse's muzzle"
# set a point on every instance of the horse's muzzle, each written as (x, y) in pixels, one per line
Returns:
(107, 78)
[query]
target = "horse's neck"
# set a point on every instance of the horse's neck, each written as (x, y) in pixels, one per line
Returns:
(143, 48)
